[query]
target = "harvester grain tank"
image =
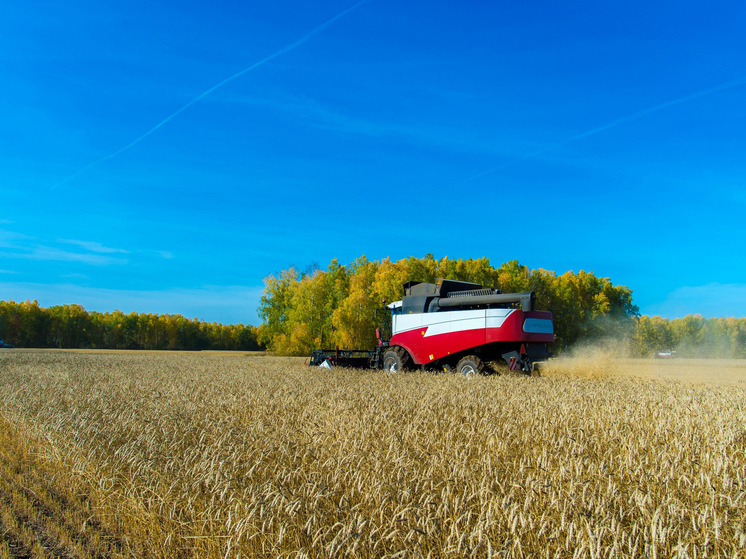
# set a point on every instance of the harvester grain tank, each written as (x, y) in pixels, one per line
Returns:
(456, 325)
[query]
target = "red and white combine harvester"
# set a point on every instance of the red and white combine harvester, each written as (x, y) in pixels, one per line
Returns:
(455, 325)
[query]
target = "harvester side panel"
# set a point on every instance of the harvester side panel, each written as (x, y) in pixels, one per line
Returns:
(443, 322)
(528, 327)
(431, 336)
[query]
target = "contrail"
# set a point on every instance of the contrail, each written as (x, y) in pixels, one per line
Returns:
(656, 108)
(612, 124)
(283, 50)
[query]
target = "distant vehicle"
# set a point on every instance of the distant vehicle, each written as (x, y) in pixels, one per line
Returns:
(3, 344)
(667, 354)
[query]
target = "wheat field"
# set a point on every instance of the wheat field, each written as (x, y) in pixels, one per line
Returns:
(239, 455)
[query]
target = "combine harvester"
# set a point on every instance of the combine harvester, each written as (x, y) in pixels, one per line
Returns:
(455, 325)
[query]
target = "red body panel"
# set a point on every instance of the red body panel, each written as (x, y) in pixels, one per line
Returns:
(512, 329)
(425, 349)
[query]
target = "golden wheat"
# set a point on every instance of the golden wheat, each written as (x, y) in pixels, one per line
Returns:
(229, 455)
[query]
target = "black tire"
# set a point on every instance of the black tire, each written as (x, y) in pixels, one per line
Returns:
(395, 359)
(470, 365)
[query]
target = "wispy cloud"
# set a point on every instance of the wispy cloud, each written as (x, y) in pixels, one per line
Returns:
(8, 272)
(322, 117)
(11, 239)
(20, 246)
(295, 44)
(45, 253)
(93, 246)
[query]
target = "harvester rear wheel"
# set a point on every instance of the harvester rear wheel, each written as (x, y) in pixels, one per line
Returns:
(395, 359)
(470, 365)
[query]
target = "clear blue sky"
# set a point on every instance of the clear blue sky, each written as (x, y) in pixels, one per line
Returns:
(608, 137)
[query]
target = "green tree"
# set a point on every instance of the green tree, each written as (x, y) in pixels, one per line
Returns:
(275, 306)
(355, 318)
(34, 324)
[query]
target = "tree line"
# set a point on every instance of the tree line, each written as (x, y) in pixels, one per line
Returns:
(71, 326)
(343, 305)
(691, 336)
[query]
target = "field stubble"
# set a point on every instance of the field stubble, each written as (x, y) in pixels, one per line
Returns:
(137, 455)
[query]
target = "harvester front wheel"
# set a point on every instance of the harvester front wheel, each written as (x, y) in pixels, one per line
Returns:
(395, 359)
(470, 365)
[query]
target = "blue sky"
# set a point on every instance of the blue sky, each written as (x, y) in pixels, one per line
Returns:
(607, 137)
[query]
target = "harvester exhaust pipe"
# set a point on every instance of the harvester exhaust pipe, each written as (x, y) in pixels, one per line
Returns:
(527, 301)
